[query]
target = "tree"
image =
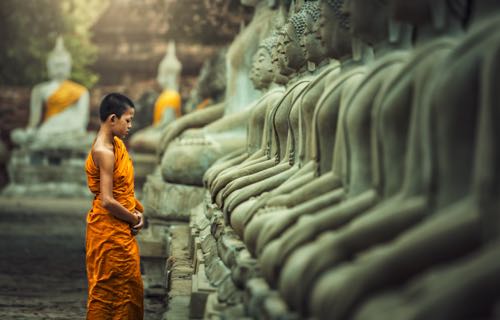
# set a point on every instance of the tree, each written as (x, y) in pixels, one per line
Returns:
(29, 30)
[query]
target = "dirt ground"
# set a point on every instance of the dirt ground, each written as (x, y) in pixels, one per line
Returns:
(42, 260)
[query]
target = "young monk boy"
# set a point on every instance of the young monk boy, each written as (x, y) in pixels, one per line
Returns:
(112, 255)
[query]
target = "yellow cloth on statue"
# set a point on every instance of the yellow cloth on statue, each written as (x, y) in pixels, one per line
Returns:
(167, 99)
(115, 288)
(66, 95)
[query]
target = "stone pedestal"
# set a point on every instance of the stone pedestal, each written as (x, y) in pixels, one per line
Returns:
(54, 172)
(154, 245)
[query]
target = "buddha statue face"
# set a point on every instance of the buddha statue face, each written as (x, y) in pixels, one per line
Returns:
(292, 32)
(334, 29)
(311, 41)
(262, 73)
(369, 19)
(59, 68)
(277, 57)
(59, 62)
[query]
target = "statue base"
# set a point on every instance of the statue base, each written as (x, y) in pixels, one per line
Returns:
(56, 172)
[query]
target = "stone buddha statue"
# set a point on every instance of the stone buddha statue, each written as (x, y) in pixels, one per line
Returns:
(262, 75)
(285, 125)
(303, 163)
(59, 108)
(167, 106)
(185, 160)
(52, 148)
(328, 186)
(258, 160)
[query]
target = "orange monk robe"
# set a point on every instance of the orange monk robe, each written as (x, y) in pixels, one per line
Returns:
(112, 254)
(66, 95)
(167, 99)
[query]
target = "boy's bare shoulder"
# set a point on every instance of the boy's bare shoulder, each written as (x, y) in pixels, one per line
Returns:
(101, 152)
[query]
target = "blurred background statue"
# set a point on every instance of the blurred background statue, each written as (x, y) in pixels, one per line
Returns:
(59, 108)
(51, 149)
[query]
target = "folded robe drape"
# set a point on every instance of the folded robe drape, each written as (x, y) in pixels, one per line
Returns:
(115, 288)
(66, 95)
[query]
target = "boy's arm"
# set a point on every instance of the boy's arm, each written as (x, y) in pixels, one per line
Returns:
(105, 161)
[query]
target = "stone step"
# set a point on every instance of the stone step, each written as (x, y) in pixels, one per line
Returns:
(200, 290)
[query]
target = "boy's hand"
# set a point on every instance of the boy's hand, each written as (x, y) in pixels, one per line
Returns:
(135, 229)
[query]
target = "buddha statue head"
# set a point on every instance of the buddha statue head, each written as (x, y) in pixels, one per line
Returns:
(334, 29)
(311, 40)
(169, 69)
(262, 73)
(369, 19)
(277, 54)
(59, 62)
(291, 56)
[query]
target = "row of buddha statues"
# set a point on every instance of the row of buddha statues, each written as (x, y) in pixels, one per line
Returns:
(358, 178)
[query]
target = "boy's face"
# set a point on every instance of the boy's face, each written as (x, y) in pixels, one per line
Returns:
(122, 125)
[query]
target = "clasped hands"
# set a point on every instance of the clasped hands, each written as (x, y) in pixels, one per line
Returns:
(136, 228)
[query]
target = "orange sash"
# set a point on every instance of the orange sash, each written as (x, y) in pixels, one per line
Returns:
(66, 95)
(115, 288)
(167, 99)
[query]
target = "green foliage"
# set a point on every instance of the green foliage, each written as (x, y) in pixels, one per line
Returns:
(29, 30)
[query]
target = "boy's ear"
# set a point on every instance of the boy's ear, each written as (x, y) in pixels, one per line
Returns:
(112, 117)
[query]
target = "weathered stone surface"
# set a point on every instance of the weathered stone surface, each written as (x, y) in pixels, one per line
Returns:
(169, 201)
(144, 165)
(201, 288)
